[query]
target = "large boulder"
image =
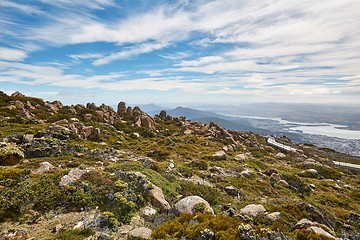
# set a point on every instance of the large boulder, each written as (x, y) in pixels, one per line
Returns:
(44, 167)
(253, 210)
(71, 177)
(158, 199)
(191, 205)
(320, 232)
(145, 121)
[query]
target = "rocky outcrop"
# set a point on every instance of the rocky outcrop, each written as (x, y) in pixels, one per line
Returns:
(193, 204)
(63, 129)
(140, 118)
(17, 94)
(145, 121)
(219, 155)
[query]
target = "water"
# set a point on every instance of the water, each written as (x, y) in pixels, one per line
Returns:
(327, 129)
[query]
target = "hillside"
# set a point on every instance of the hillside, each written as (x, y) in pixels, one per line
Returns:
(92, 172)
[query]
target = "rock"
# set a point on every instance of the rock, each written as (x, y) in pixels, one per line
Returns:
(87, 117)
(77, 173)
(274, 216)
(66, 180)
(74, 120)
(17, 94)
(140, 233)
(275, 177)
(28, 138)
(137, 221)
(246, 173)
(145, 121)
(10, 154)
(162, 114)
(309, 173)
(121, 111)
(149, 163)
(79, 225)
(71, 177)
(321, 232)
(312, 185)
(241, 157)
(158, 198)
(44, 167)
(231, 190)
(206, 234)
(148, 213)
(305, 223)
(280, 155)
(270, 172)
(283, 183)
(188, 205)
(219, 155)
(253, 210)
(135, 135)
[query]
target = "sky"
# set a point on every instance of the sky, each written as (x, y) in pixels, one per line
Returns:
(181, 52)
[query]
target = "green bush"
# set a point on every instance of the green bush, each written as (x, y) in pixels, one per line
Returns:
(210, 194)
(224, 228)
(296, 183)
(76, 234)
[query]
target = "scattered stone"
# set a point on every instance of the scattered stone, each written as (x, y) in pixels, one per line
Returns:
(275, 177)
(137, 221)
(280, 155)
(187, 205)
(312, 186)
(74, 120)
(219, 155)
(66, 180)
(79, 225)
(149, 163)
(253, 210)
(309, 173)
(140, 233)
(274, 216)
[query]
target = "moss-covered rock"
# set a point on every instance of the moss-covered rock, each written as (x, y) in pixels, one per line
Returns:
(10, 154)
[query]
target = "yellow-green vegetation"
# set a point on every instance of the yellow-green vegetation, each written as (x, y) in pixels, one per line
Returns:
(122, 167)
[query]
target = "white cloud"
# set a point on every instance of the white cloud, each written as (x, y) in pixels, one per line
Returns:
(92, 4)
(10, 54)
(28, 9)
(130, 52)
(86, 56)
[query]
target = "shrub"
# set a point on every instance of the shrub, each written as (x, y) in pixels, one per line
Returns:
(186, 226)
(210, 194)
(76, 234)
(296, 183)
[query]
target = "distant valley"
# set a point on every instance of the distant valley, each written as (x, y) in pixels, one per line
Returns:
(334, 127)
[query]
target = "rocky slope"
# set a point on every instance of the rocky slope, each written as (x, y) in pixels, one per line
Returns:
(90, 172)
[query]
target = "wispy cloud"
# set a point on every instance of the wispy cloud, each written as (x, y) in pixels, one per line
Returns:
(10, 54)
(25, 8)
(130, 52)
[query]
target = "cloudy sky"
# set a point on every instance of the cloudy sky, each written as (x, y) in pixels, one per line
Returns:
(181, 52)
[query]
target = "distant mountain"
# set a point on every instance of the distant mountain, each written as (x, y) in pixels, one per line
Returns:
(151, 108)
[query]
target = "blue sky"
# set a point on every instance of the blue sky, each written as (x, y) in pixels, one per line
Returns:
(181, 52)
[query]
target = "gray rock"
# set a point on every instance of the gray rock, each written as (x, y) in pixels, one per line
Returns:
(77, 173)
(187, 205)
(253, 210)
(280, 155)
(219, 155)
(140, 233)
(246, 173)
(241, 157)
